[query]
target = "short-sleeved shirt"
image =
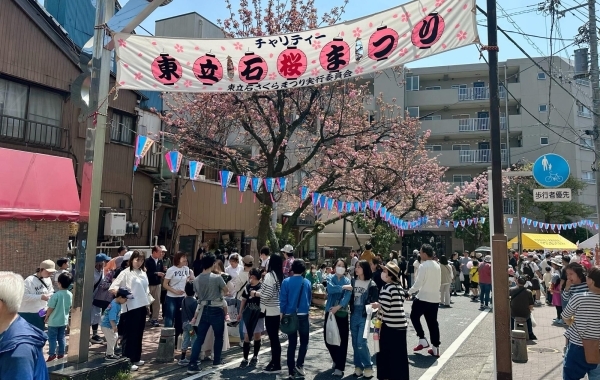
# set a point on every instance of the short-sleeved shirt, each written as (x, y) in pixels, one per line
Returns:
(61, 303)
(246, 294)
(521, 300)
(112, 313)
(209, 287)
(474, 273)
(464, 261)
(177, 279)
(360, 288)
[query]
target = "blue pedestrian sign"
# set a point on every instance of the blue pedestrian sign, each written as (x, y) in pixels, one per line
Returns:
(551, 170)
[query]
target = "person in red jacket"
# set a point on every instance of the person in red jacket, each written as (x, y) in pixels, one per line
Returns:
(485, 282)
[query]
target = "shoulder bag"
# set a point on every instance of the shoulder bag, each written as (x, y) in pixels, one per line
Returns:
(289, 322)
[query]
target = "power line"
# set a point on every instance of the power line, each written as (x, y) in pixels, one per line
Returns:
(533, 35)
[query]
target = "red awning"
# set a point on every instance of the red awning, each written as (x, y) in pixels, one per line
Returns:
(37, 186)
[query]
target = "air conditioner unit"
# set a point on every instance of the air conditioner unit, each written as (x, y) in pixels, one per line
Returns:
(115, 224)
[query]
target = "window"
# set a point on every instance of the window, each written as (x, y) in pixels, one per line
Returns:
(30, 114)
(433, 148)
(432, 117)
(508, 206)
(461, 178)
(458, 86)
(583, 111)
(122, 128)
(412, 83)
(543, 108)
(587, 143)
(588, 177)
(461, 147)
(433, 88)
(543, 140)
(413, 111)
(541, 76)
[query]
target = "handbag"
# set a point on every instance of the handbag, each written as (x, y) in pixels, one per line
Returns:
(289, 322)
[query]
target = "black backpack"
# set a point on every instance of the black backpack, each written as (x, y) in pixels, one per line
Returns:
(528, 271)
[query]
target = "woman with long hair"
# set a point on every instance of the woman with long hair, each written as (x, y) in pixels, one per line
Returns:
(339, 292)
(269, 304)
(133, 313)
(392, 358)
(364, 292)
(447, 277)
(174, 283)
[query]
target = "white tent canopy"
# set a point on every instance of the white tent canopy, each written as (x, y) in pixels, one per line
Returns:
(589, 243)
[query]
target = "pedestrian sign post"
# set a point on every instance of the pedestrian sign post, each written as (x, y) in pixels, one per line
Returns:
(551, 170)
(552, 195)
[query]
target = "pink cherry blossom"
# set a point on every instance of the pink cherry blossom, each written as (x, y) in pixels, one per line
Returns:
(403, 52)
(238, 46)
(178, 48)
(356, 32)
(316, 45)
(358, 70)
(122, 43)
(272, 76)
(424, 9)
(405, 17)
(439, 3)
(461, 35)
(187, 83)
(138, 76)
(314, 72)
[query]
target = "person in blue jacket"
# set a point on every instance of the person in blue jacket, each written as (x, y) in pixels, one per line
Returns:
(295, 297)
(339, 292)
(21, 343)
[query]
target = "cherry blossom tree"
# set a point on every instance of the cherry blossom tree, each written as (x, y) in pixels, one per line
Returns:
(322, 137)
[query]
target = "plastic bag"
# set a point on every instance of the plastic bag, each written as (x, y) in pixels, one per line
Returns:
(461, 277)
(533, 322)
(332, 333)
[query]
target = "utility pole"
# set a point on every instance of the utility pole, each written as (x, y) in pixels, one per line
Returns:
(594, 79)
(519, 238)
(502, 343)
(91, 188)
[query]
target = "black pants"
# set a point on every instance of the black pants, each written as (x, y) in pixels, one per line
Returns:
(559, 310)
(392, 358)
(467, 283)
(338, 353)
(430, 311)
(272, 325)
(133, 322)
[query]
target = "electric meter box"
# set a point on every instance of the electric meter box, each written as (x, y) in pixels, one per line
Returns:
(115, 224)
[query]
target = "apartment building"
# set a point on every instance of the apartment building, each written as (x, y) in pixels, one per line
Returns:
(453, 103)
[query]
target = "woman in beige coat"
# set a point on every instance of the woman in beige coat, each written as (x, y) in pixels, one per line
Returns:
(447, 277)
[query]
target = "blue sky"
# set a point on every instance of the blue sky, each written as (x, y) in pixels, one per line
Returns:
(531, 22)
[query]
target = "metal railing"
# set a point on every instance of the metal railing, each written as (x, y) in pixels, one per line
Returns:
(587, 114)
(478, 156)
(478, 93)
(152, 158)
(478, 124)
(24, 131)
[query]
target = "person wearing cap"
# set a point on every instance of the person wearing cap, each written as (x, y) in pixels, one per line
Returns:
(101, 260)
(115, 262)
(38, 290)
(21, 344)
(485, 282)
(156, 272)
(427, 301)
(288, 255)
(392, 358)
(110, 321)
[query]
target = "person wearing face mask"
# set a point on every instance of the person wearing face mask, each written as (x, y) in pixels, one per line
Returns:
(38, 290)
(339, 292)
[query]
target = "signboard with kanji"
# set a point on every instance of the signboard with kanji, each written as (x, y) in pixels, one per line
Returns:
(552, 195)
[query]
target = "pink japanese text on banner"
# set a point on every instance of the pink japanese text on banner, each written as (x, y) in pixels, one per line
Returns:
(243, 182)
(195, 168)
(394, 37)
(173, 159)
(225, 177)
(255, 184)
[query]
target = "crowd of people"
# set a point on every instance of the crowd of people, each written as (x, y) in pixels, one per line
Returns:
(204, 301)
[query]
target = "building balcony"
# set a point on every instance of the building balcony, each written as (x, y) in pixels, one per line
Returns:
(456, 97)
(450, 127)
(477, 93)
(31, 132)
(472, 158)
(478, 124)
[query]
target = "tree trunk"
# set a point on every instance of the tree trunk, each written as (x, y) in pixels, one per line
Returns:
(264, 227)
(360, 247)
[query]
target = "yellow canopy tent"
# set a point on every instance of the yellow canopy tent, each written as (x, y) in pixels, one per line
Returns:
(543, 241)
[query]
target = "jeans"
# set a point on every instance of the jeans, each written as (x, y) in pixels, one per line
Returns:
(172, 310)
(362, 356)
(56, 334)
(529, 326)
(445, 293)
(211, 317)
(486, 291)
(188, 340)
(575, 367)
(303, 328)
(430, 311)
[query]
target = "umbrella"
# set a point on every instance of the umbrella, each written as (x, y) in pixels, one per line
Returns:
(483, 249)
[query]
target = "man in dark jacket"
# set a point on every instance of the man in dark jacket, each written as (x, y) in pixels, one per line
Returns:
(21, 343)
(155, 271)
(376, 269)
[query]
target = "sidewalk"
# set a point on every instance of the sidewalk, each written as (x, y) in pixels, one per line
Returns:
(544, 355)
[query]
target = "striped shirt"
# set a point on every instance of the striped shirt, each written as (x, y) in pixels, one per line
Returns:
(584, 307)
(392, 306)
(269, 295)
(574, 289)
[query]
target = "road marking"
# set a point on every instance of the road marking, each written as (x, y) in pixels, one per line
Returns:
(432, 371)
(238, 361)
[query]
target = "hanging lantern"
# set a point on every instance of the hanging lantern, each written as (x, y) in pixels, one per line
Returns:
(428, 31)
(166, 69)
(208, 69)
(292, 63)
(382, 43)
(252, 68)
(173, 159)
(335, 56)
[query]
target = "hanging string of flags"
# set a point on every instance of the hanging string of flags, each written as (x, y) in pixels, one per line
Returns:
(526, 222)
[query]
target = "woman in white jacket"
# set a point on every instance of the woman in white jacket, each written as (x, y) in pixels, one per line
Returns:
(38, 289)
(133, 313)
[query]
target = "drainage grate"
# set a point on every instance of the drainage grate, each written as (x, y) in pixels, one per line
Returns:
(543, 350)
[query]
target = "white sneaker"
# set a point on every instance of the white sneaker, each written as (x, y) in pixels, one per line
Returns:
(339, 373)
(134, 367)
(140, 363)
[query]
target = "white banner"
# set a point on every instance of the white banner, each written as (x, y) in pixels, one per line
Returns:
(373, 43)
